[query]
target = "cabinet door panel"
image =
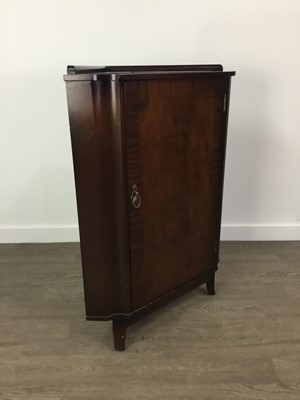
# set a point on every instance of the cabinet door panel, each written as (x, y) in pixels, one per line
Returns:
(175, 143)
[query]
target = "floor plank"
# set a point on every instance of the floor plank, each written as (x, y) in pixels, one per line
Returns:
(243, 343)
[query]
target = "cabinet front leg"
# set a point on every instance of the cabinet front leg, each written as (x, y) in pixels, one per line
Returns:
(210, 285)
(119, 331)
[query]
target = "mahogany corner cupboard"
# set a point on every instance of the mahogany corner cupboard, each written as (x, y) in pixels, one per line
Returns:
(148, 148)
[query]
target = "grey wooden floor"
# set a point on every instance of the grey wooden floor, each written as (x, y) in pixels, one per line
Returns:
(244, 343)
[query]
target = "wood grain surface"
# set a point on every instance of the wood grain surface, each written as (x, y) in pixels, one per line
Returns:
(101, 200)
(175, 145)
(243, 343)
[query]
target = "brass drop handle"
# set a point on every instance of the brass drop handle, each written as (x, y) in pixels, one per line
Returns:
(135, 198)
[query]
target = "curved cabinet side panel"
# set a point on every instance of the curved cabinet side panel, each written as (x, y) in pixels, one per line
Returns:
(97, 148)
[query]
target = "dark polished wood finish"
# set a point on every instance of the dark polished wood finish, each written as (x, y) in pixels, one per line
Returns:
(162, 129)
(97, 147)
(119, 331)
(178, 170)
(80, 69)
(210, 285)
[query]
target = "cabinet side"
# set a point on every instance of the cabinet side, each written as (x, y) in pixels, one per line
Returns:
(95, 125)
(223, 148)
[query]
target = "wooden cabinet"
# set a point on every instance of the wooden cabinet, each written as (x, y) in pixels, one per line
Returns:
(149, 151)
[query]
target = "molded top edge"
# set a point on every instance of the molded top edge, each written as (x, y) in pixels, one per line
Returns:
(146, 75)
(138, 72)
(82, 69)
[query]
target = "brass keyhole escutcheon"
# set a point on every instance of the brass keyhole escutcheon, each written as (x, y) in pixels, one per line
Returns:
(135, 198)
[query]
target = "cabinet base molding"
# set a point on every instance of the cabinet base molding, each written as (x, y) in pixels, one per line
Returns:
(122, 321)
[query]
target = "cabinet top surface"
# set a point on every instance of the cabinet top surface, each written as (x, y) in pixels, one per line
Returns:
(142, 72)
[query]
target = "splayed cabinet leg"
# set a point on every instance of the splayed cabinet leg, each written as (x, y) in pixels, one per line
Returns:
(119, 331)
(210, 285)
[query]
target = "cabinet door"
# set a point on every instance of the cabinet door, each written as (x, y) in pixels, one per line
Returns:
(175, 134)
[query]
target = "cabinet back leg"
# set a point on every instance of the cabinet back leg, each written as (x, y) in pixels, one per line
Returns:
(119, 331)
(210, 285)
